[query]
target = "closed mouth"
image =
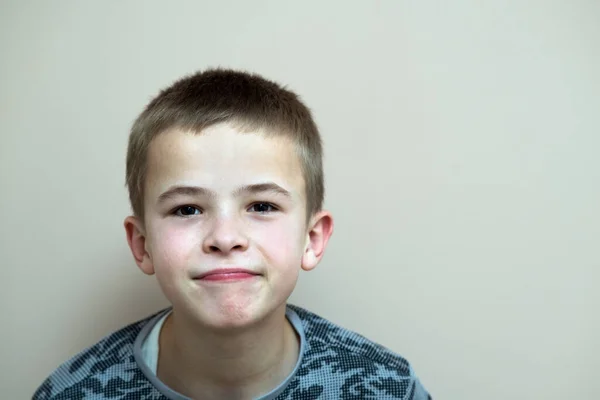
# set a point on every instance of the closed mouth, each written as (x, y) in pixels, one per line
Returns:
(227, 273)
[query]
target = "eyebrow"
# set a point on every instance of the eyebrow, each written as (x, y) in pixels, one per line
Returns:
(198, 191)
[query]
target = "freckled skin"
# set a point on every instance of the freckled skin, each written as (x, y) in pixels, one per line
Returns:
(224, 230)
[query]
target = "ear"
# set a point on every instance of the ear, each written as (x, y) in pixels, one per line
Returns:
(136, 238)
(318, 233)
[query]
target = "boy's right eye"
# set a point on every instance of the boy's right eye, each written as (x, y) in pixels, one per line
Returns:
(186, 211)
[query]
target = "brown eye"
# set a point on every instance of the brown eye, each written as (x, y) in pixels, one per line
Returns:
(262, 208)
(186, 211)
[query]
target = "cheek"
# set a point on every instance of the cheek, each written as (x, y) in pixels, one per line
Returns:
(282, 243)
(172, 246)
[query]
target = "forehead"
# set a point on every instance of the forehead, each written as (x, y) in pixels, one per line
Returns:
(222, 159)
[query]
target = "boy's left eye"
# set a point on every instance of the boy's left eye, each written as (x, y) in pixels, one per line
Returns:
(262, 208)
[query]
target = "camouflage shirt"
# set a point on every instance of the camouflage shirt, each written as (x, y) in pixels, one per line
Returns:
(334, 363)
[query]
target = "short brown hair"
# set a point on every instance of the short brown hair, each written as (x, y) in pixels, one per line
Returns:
(247, 100)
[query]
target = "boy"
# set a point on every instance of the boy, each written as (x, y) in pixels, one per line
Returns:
(226, 185)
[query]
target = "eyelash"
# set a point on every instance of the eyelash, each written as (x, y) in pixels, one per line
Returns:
(176, 211)
(274, 208)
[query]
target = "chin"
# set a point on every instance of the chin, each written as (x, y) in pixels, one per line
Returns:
(227, 311)
(233, 316)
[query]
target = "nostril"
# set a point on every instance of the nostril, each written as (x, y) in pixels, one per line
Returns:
(224, 248)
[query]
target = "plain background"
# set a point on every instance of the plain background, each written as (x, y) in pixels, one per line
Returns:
(462, 162)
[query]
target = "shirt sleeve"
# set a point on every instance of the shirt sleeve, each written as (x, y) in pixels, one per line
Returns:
(419, 392)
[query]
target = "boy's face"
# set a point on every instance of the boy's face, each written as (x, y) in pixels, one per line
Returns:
(225, 200)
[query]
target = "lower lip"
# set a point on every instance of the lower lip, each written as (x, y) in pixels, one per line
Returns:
(234, 276)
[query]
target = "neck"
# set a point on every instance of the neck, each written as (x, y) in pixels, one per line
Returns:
(203, 363)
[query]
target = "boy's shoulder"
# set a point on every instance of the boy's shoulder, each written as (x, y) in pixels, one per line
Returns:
(338, 360)
(107, 367)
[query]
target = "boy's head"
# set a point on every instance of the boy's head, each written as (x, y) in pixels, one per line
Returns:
(246, 101)
(225, 178)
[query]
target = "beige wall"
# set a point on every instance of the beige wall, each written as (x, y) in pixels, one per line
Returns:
(463, 166)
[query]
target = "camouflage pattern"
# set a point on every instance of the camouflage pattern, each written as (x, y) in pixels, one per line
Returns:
(336, 364)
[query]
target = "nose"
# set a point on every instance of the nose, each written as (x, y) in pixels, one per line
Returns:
(225, 237)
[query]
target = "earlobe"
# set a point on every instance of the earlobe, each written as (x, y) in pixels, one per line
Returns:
(319, 232)
(136, 238)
